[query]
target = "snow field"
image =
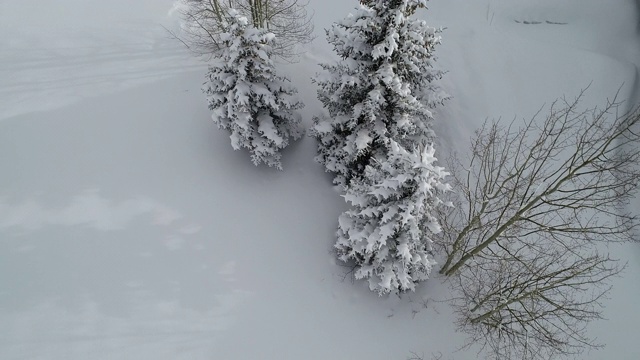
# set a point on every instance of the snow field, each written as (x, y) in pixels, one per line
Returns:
(129, 228)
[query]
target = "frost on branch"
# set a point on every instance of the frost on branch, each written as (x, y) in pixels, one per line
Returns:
(388, 231)
(247, 97)
(383, 88)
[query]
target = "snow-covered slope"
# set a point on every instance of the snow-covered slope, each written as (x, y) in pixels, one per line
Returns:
(129, 228)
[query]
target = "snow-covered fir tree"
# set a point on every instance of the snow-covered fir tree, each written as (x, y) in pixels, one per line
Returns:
(246, 95)
(383, 88)
(387, 233)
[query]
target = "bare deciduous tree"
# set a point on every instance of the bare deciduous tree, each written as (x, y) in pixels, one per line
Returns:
(524, 243)
(287, 19)
(532, 300)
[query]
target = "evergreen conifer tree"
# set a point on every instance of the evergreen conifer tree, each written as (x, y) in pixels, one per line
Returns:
(246, 95)
(382, 89)
(387, 233)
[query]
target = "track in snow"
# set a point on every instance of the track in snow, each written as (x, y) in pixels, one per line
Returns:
(40, 73)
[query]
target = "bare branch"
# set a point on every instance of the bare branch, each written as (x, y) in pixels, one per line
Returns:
(288, 20)
(534, 203)
(571, 177)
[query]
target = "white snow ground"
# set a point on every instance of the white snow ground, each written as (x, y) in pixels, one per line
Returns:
(129, 228)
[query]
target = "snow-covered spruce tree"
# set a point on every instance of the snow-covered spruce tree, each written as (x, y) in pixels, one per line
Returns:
(383, 88)
(247, 97)
(387, 233)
